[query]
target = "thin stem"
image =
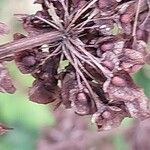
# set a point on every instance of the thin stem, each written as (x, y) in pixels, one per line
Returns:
(96, 26)
(66, 15)
(148, 13)
(81, 11)
(78, 70)
(48, 22)
(77, 75)
(136, 19)
(94, 13)
(54, 53)
(96, 99)
(53, 14)
(92, 58)
(84, 70)
(79, 55)
(94, 19)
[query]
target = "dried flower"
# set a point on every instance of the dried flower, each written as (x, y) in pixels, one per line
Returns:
(97, 77)
(5, 80)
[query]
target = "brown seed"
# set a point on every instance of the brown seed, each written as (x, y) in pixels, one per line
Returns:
(82, 106)
(81, 97)
(118, 81)
(43, 94)
(126, 18)
(147, 59)
(142, 35)
(106, 114)
(108, 64)
(18, 36)
(136, 68)
(107, 46)
(29, 61)
(102, 3)
(105, 4)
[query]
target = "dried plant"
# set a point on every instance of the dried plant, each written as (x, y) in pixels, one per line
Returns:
(71, 132)
(138, 135)
(101, 42)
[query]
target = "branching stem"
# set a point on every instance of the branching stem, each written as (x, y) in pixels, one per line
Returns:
(28, 43)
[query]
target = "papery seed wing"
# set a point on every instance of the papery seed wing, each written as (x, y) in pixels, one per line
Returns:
(6, 84)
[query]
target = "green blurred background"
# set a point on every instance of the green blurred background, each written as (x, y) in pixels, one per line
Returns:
(17, 111)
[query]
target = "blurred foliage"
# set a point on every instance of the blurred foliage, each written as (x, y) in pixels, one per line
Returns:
(143, 79)
(16, 110)
(25, 117)
(28, 118)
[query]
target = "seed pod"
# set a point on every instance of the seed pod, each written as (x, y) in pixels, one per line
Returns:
(127, 28)
(6, 84)
(42, 93)
(108, 64)
(18, 36)
(107, 5)
(147, 59)
(106, 115)
(128, 14)
(118, 81)
(67, 84)
(146, 23)
(47, 71)
(126, 18)
(29, 61)
(107, 46)
(135, 68)
(82, 104)
(142, 35)
(26, 61)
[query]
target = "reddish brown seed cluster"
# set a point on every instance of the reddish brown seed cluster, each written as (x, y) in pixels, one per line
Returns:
(97, 45)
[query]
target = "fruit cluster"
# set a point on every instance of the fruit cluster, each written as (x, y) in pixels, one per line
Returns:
(96, 46)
